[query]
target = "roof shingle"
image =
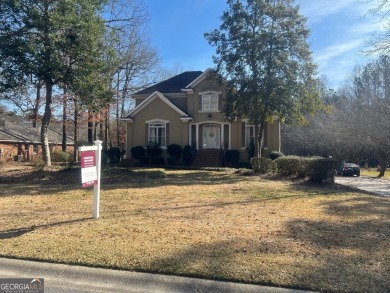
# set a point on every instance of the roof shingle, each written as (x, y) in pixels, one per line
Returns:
(172, 85)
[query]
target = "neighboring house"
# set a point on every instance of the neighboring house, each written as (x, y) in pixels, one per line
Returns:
(21, 141)
(187, 109)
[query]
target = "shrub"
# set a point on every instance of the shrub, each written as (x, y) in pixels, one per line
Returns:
(245, 165)
(187, 155)
(60, 156)
(38, 163)
(291, 166)
(175, 150)
(172, 161)
(232, 157)
(137, 151)
(275, 154)
(263, 165)
(114, 155)
(158, 161)
(143, 160)
(321, 169)
(153, 149)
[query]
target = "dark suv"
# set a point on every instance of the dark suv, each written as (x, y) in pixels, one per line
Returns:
(349, 169)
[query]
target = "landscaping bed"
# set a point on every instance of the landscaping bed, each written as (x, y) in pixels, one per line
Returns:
(216, 225)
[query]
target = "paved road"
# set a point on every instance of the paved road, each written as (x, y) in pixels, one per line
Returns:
(60, 278)
(370, 184)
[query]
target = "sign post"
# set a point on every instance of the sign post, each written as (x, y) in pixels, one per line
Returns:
(91, 171)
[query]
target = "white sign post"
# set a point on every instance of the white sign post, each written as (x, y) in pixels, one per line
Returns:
(91, 171)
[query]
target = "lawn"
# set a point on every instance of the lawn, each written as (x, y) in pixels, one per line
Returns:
(374, 173)
(207, 224)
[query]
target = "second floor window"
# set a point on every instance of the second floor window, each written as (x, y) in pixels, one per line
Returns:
(210, 102)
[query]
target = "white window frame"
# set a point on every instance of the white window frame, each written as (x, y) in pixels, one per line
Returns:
(206, 106)
(157, 125)
(248, 127)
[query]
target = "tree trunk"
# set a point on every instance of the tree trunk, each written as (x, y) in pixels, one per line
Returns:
(382, 169)
(107, 128)
(45, 124)
(76, 130)
(90, 127)
(259, 138)
(64, 118)
(36, 106)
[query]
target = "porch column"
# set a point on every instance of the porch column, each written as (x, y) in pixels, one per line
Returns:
(230, 136)
(189, 134)
(222, 126)
(197, 136)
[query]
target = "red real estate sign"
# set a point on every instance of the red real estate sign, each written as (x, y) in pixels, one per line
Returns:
(88, 168)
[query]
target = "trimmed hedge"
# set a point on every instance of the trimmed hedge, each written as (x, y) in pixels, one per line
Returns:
(275, 154)
(232, 157)
(158, 161)
(114, 155)
(154, 149)
(137, 152)
(263, 165)
(187, 155)
(291, 166)
(321, 169)
(175, 150)
(315, 169)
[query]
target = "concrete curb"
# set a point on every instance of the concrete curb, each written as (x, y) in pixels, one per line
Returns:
(61, 278)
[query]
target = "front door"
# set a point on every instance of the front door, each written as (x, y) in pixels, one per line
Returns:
(211, 136)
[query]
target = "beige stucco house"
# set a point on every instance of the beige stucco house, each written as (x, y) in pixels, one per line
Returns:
(187, 109)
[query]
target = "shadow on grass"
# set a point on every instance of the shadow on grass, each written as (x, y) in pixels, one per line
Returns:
(12, 233)
(40, 182)
(346, 251)
(353, 245)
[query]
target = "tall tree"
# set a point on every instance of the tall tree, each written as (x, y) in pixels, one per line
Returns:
(263, 55)
(49, 40)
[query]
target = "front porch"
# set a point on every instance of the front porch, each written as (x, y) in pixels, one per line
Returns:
(210, 135)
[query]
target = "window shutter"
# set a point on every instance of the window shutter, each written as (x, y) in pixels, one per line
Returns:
(219, 102)
(200, 102)
(146, 134)
(243, 134)
(167, 134)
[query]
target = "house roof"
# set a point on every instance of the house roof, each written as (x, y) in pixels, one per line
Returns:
(22, 131)
(174, 84)
(151, 98)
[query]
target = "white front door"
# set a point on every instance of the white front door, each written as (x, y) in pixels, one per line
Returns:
(211, 136)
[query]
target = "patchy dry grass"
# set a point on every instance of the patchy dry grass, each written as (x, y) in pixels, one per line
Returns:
(374, 173)
(207, 224)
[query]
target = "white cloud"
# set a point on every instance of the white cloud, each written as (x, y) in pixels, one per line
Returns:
(316, 11)
(324, 56)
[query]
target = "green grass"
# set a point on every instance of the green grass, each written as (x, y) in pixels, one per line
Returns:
(374, 173)
(206, 224)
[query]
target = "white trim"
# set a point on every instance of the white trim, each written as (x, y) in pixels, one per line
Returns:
(188, 91)
(126, 119)
(209, 111)
(157, 120)
(186, 119)
(210, 92)
(199, 78)
(151, 98)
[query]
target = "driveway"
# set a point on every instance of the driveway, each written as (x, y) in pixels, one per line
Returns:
(373, 185)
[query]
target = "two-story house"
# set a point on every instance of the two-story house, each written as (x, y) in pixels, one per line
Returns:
(188, 109)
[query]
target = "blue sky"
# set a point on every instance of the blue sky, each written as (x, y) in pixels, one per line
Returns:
(339, 31)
